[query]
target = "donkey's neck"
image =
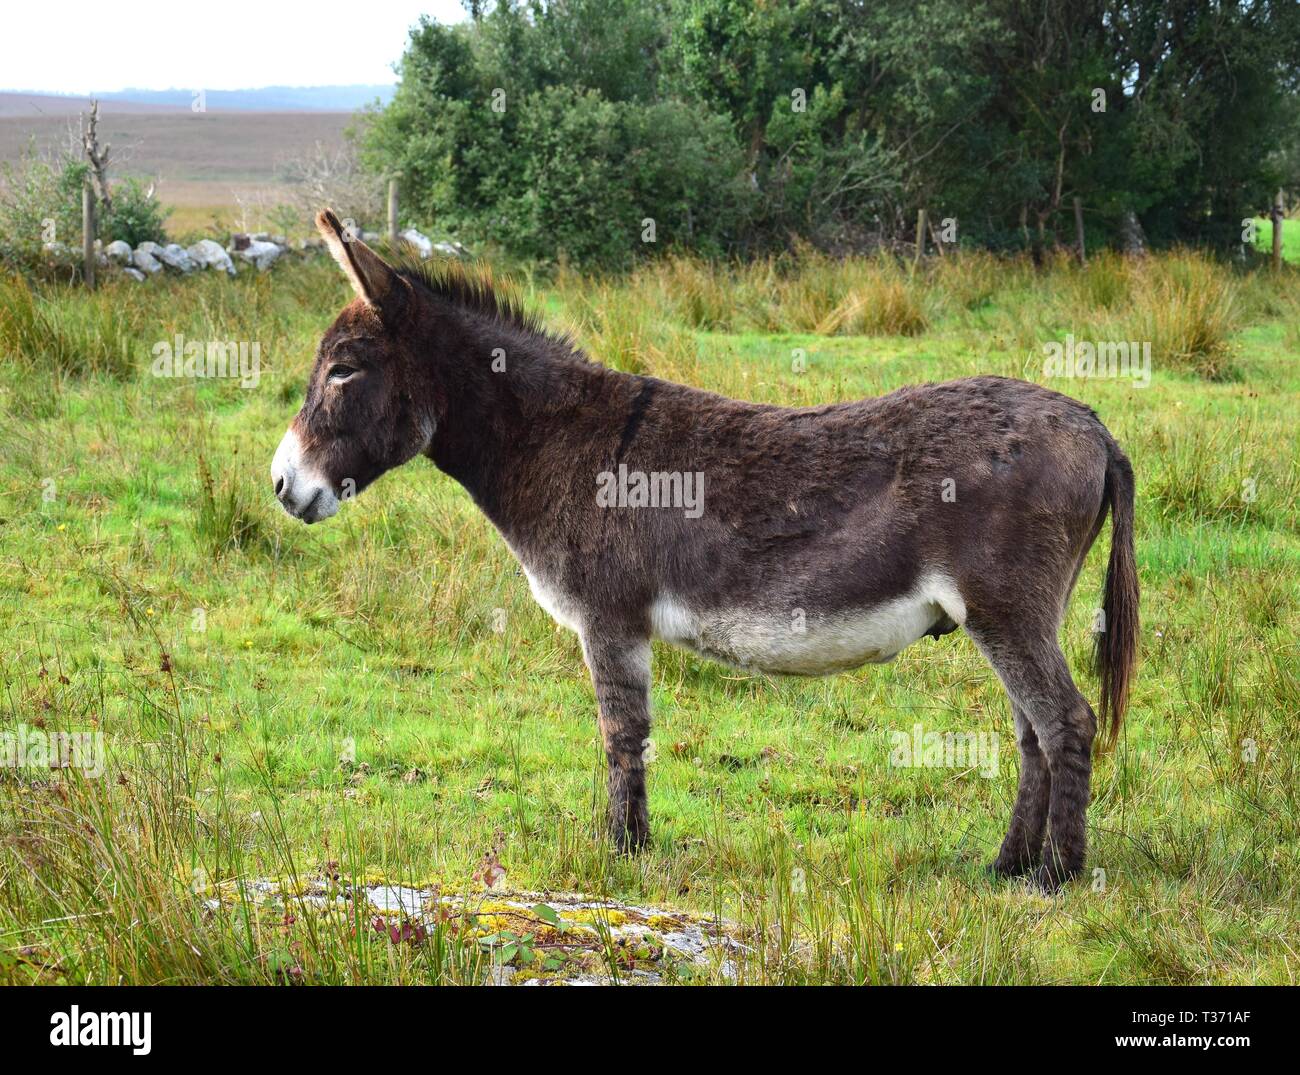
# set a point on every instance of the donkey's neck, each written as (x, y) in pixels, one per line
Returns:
(502, 393)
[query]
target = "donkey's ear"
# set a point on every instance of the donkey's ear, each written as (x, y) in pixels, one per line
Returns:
(373, 279)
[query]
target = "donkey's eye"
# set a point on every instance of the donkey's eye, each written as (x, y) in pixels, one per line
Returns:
(341, 372)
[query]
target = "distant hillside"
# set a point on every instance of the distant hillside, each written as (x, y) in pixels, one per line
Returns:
(34, 106)
(266, 99)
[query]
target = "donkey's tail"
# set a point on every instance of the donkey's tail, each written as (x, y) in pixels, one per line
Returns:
(1117, 641)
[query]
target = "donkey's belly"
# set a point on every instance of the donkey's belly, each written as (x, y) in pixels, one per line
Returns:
(806, 642)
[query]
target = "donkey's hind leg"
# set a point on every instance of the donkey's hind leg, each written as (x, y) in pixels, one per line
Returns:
(620, 672)
(1034, 671)
(1022, 849)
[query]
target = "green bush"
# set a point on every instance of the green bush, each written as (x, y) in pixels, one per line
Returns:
(40, 213)
(567, 174)
(136, 217)
(554, 157)
(561, 185)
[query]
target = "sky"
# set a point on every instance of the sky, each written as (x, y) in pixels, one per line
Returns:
(80, 47)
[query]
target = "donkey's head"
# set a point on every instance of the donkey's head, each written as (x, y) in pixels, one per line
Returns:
(367, 408)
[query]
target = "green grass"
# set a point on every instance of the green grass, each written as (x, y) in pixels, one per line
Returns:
(1290, 237)
(151, 589)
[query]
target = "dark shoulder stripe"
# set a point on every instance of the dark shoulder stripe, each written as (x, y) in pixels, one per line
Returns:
(634, 418)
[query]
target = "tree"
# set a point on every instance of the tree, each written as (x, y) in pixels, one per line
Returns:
(742, 126)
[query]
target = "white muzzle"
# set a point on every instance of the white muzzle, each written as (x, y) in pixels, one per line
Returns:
(302, 492)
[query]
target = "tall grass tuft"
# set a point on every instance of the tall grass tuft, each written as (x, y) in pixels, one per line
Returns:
(1189, 308)
(91, 334)
(970, 280)
(807, 292)
(227, 514)
(702, 294)
(624, 327)
(882, 303)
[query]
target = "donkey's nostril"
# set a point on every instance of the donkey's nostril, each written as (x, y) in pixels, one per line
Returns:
(279, 486)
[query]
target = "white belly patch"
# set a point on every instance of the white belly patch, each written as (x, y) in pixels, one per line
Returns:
(557, 605)
(798, 642)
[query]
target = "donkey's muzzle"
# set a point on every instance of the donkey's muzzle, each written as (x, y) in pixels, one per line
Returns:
(302, 492)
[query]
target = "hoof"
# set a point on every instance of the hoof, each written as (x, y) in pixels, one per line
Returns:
(631, 840)
(1009, 866)
(1051, 879)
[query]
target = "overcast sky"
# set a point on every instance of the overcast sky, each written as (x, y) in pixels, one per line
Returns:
(79, 47)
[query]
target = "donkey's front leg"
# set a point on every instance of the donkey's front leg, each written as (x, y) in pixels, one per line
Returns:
(620, 672)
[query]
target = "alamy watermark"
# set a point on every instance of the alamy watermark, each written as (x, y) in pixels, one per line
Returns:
(919, 749)
(37, 748)
(120, 1029)
(234, 359)
(656, 489)
(1104, 358)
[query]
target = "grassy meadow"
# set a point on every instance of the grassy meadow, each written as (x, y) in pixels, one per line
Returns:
(378, 698)
(1290, 237)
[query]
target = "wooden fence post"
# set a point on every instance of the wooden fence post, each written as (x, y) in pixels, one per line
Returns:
(1277, 232)
(920, 238)
(88, 235)
(1078, 229)
(392, 213)
(935, 240)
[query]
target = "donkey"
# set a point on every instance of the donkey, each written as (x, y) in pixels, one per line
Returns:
(821, 538)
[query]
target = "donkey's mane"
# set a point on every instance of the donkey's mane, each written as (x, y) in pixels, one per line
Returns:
(475, 291)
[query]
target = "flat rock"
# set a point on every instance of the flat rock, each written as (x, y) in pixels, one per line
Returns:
(422, 243)
(210, 254)
(144, 260)
(260, 253)
(175, 257)
(578, 933)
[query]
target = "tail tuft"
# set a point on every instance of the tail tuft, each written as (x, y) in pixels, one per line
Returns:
(1118, 641)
